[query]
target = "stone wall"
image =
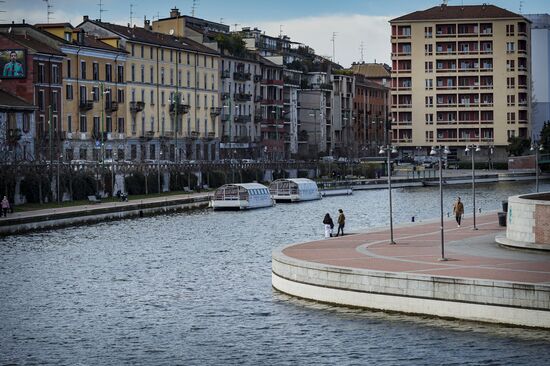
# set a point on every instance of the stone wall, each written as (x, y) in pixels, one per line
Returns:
(529, 219)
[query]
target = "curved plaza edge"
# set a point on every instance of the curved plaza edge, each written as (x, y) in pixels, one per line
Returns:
(480, 280)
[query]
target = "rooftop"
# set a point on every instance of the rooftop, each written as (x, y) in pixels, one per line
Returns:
(446, 12)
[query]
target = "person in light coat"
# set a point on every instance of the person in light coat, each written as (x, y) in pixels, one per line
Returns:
(329, 225)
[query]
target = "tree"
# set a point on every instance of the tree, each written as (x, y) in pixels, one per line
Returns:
(517, 145)
(545, 135)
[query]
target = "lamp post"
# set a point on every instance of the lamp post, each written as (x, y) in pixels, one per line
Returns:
(389, 150)
(536, 147)
(158, 167)
(472, 149)
(440, 151)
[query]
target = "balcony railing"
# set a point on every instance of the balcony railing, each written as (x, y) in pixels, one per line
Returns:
(111, 107)
(257, 78)
(243, 119)
(225, 96)
(86, 105)
(215, 111)
(179, 108)
(225, 74)
(241, 76)
(242, 97)
(136, 106)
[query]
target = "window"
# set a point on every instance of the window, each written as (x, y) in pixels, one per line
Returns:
(162, 101)
(510, 47)
(133, 151)
(108, 124)
(511, 133)
(133, 72)
(83, 69)
(428, 32)
(162, 75)
(54, 101)
(142, 51)
(83, 153)
(69, 92)
(41, 100)
(143, 95)
(83, 124)
(120, 125)
(108, 72)
(511, 100)
(95, 71)
(188, 78)
(95, 93)
(429, 118)
(152, 152)
(151, 53)
(429, 84)
(511, 117)
(152, 96)
(69, 69)
(41, 74)
(429, 101)
(510, 65)
(69, 123)
(151, 75)
(55, 74)
(120, 71)
(511, 83)
(120, 95)
(509, 29)
(132, 49)
(95, 129)
(142, 73)
(429, 66)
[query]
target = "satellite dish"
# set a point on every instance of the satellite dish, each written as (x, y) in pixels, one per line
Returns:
(171, 32)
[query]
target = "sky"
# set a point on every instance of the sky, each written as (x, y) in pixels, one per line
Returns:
(359, 28)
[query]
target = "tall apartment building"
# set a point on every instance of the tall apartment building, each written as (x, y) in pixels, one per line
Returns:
(461, 75)
(343, 94)
(540, 40)
(171, 93)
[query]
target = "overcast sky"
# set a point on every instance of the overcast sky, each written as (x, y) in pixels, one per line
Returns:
(312, 22)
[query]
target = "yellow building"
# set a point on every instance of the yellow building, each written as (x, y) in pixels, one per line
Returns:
(171, 93)
(460, 76)
(94, 115)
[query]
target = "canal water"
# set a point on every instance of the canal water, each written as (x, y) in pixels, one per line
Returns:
(195, 289)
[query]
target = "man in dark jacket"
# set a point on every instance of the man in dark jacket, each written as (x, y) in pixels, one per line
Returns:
(341, 222)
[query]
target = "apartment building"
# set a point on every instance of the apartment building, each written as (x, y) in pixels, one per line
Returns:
(461, 75)
(343, 94)
(171, 93)
(39, 85)
(93, 120)
(292, 80)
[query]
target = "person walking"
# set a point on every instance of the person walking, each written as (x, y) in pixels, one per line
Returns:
(458, 210)
(329, 225)
(5, 206)
(341, 222)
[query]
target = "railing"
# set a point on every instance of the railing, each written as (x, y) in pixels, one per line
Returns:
(241, 76)
(85, 105)
(243, 119)
(225, 74)
(242, 97)
(180, 108)
(215, 111)
(136, 106)
(111, 107)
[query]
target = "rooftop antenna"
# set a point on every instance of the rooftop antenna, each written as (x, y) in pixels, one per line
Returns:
(281, 31)
(48, 10)
(131, 14)
(362, 49)
(194, 7)
(521, 6)
(101, 10)
(333, 39)
(221, 20)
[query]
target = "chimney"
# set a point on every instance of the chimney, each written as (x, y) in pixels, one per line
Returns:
(85, 18)
(147, 23)
(174, 13)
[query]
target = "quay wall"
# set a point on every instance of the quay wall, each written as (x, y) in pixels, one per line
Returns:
(98, 213)
(471, 299)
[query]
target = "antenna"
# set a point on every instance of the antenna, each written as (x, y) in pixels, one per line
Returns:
(362, 49)
(101, 10)
(333, 39)
(194, 7)
(48, 10)
(131, 14)
(521, 6)
(281, 31)
(221, 20)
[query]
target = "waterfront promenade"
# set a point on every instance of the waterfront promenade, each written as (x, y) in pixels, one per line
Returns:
(480, 280)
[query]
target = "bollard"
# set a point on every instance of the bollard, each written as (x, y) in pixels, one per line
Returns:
(412, 219)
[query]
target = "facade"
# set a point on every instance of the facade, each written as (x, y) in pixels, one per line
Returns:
(370, 127)
(94, 88)
(291, 88)
(343, 86)
(540, 40)
(461, 75)
(41, 85)
(272, 125)
(372, 71)
(171, 93)
(16, 129)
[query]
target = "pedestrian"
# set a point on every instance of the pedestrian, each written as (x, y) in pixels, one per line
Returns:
(5, 206)
(341, 222)
(329, 225)
(458, 210)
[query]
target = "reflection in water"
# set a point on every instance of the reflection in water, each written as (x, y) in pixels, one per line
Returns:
(195, 288)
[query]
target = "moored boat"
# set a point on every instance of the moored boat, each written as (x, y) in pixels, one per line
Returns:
(241, 196)
(294, 190)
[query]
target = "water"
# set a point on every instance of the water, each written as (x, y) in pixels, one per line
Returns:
(195, 289)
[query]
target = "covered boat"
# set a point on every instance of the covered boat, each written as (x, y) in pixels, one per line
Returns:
(294, 190)
(241, 196)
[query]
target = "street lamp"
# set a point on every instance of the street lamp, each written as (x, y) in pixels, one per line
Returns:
(389, 150)
(472, 149)
(158, 166)
(536, 147)
(440, 151)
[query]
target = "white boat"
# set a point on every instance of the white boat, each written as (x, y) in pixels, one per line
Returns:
(340, 191)
(241, 196)
(294, 190)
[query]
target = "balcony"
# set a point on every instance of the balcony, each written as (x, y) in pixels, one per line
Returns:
(291, 81)
(225, 74)
(195, 134)
(211, 135)
(225, 117)
(241, 76)
(137, 106)
(85, 105)
(225, 96)
(179, 108)
(242, 97)
(111, 107)
(243, 119)
(257, 78)
(215, 111)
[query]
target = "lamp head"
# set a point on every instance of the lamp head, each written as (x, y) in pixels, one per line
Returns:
(381, 152)
(433, 152)
(394, 150)
(446, 150)
(467, 149)
(541, 148)
(532, 148)
(478, 148)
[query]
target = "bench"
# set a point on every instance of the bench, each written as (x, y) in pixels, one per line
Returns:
(93, 199)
